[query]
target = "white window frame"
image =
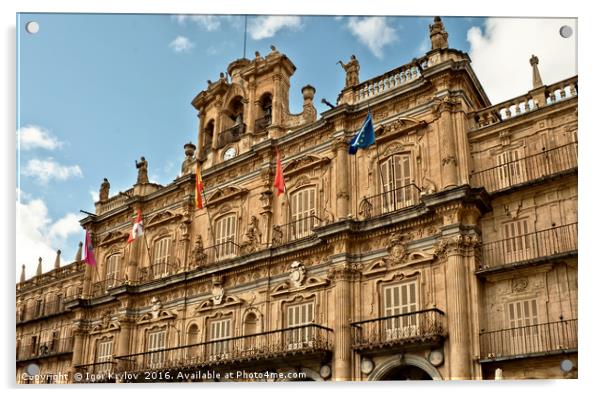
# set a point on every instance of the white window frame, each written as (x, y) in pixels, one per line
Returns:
(156, 342)
(511, 168)
(399, 299)
(218, 331)
(396, 172)
(298, 315)
(104, 354)
(225, 236)
(112, 270)
(161, 255)
(303, 207)
(517, 240)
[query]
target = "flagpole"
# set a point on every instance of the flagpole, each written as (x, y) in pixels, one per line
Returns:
(199, 164)
(286, 196)
(380, 173)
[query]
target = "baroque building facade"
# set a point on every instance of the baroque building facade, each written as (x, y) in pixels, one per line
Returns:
(448, 250)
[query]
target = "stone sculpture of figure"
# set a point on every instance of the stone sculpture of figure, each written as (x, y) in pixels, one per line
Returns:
(200, 257)
(277, 235)
(352, 70)
(253, 236)
(103, 195)
(366, 208)
(438, 34)
(142, 170)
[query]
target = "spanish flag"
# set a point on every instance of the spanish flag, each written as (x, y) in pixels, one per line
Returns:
(198, 191)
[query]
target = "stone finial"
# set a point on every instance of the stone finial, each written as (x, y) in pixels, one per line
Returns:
(57, 261)
(438, 34)
(39, 269)
(78, 254)
(22, 273)
(187, 164)
(534, 61)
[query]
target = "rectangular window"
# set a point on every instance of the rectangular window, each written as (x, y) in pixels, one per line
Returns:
(398, 300)
(517, 242)
(156, 346)
(511, 170)
(112, 269)
(161, 257)
(396, 180)
(104, 355)
(296, 317)
(303, 207)
(218, 331)
(225, 231)
(523, 334)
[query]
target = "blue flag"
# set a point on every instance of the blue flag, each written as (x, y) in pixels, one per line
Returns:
(365, 136)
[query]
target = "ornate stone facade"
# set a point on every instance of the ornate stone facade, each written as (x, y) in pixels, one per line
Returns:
(448, 253)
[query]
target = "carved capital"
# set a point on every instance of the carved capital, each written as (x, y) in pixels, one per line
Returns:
(456, 245)
(344, 272)
(339, 144)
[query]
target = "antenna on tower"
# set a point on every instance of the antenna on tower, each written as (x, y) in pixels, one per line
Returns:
(244, 50)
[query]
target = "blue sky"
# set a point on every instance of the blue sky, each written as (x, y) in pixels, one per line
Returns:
(95, 92)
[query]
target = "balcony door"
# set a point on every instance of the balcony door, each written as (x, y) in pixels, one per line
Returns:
(398, 300)
(303, 206)
(156, 346)
(517, 244)
(510, 168)
(219, 332)
(225, 231)
(298, 316)
(396, 179)
(112, 270)
(524, 335)
(161, 257)
(104, 354)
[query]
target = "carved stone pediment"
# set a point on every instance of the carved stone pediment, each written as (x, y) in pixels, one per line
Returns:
(399, 126)
(226, 194)
(157, 316)
(226, 301)
(162, 217)
(304, 163)
(112, 237)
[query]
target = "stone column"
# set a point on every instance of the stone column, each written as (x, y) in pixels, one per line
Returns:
(449, 162)
(457, 305)
(277, 101)
(78, 346)
(123, 344)
(342, 275)
(340, 147)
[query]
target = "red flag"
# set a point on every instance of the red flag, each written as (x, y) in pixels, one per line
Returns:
(89, 252)
(279, 179)
(198, 191)
(137, 228)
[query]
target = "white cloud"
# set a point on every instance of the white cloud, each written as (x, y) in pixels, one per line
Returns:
(95, 196)
(46, 170)
(208, 22)
(267, 26)
(38, 236)
(181, 44)
(500, 54)
(372, 32)
(34, 136)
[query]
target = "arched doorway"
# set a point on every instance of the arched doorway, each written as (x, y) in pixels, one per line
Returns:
(406, 372)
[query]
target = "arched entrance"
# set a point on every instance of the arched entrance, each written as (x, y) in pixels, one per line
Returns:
(408, 367)
(406, 372)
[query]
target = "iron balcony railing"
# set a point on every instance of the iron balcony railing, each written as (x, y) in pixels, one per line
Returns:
(222, 251)
(262, 123)
(45, 349)
(102, 371)
(389, 201)
(157, 271)
(406, 328)
(40, 309)
(295, 230)
(102, 287)
(547, 338)
(547, 163)
(305, 339)
(230, 135)
(541, 244)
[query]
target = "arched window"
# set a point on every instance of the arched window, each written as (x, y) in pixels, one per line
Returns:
(251, 327)
(264, 116)
(303, 209)
(208, 135)
(225, 235)
(112, 269)
(396, 182)
(192, 339)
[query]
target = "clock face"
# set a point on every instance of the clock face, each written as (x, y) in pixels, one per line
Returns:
(229, 153)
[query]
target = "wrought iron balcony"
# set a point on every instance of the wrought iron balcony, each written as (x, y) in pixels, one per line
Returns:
(221, 252)
(389, 201)
(158, 271)
(295, 230)
(99, 372)
(230, 135)
(262, 123)
(530, 168)
(41, 309)
(548, 338)
(302, 341)
(545, 243)
(422, 327)
(45, 349)
(101, 288)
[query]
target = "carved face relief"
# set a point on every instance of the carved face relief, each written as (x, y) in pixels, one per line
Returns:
(218, 294)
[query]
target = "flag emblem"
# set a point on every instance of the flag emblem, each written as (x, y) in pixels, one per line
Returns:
(365, 136)
(279, 179)
(198, 191)
(89, 250)
(137, 227)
